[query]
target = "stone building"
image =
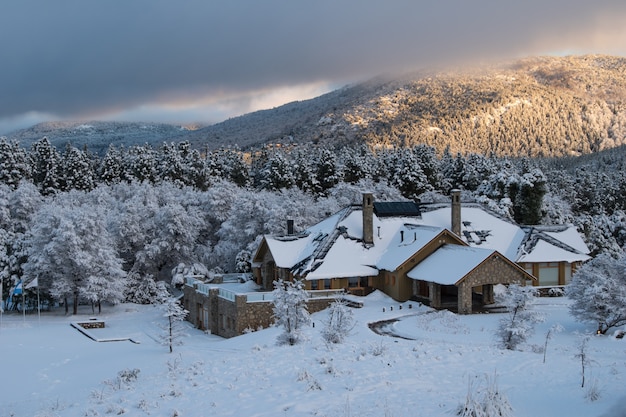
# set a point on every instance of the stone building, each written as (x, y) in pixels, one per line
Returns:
(445, 255)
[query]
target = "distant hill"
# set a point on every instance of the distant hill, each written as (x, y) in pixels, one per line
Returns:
(97, 136)
(542, 106)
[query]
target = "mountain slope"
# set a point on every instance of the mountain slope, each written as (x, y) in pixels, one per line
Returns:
(547, 106)
(542, 106)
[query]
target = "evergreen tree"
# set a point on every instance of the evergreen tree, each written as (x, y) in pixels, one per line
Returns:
(45, 164)
(14, 165)
(111, 169)
(328, 172)
(77, 172)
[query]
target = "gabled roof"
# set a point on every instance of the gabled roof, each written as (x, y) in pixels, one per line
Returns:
(482, 228)
(439, 268)
(553, 244)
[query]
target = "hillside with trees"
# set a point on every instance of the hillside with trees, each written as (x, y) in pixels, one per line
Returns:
(556, 106)
(541, 106)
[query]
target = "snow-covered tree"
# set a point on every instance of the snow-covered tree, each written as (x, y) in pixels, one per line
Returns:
(598, 292)
(519, 321)
(45, 164)
(67, 245)
(143, 289)
(13, 163)
(76, 170)
(339, 323)
(290, 310)
(173, 329)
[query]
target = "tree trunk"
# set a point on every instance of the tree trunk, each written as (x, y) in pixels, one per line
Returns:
(75, 307)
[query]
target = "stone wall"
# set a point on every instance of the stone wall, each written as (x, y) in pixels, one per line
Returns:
(227, 318)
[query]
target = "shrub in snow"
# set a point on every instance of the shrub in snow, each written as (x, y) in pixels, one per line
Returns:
(598, 292)
(290, 310)
(339, 323)
(485, 401)
(518, 323)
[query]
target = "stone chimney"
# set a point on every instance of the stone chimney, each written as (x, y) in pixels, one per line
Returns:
(456, 212)
(368, 219)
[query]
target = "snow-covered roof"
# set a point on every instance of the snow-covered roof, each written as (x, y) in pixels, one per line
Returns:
(544, 251)
(334, 248)
(480, 228)
(439, 269)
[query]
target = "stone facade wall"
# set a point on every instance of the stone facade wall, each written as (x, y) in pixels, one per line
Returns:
(495, 270)
(227, 318)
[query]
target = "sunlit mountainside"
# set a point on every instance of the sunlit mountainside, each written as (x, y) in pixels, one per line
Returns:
(541, 106)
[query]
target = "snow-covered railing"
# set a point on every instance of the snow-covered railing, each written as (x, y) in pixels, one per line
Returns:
(202, 288)
(226, 294)
(325, 293)
(255, 297)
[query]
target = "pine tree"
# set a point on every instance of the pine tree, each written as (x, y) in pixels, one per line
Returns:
(45, 164)
(13, 163)
(77, 172)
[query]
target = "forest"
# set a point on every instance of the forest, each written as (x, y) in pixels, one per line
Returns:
(110, 228)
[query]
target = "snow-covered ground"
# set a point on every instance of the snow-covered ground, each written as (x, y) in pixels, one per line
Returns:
(48, 368)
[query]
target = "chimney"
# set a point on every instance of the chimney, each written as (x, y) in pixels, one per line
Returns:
(368, 219)
(290, 227)
(456, 212)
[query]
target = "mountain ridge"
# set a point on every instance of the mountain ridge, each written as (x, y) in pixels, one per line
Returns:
(534, 107)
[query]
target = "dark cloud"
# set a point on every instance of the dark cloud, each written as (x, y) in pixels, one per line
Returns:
(76, 58)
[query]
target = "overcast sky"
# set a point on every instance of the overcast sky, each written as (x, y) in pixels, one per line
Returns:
(186, 61)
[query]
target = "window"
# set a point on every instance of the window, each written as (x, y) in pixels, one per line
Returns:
(548, 273)
(314, 284)
(327, 284)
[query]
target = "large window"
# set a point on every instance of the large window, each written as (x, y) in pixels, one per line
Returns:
(548, 273)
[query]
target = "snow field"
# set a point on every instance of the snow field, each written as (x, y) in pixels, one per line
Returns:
(50, 369)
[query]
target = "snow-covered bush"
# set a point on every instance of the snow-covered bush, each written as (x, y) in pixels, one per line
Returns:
(518, 323)
(485, 401)
(339, 323)
(598, 292)
(290, 310)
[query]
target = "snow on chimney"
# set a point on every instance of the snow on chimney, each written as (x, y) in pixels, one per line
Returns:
(456, 212)
(368, 219)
